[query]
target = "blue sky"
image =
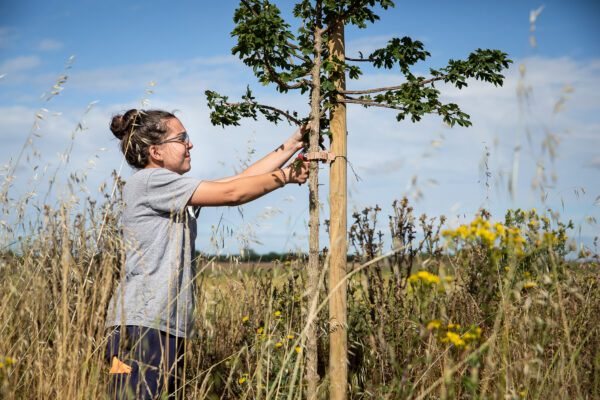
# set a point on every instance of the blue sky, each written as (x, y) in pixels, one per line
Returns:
(184, 47)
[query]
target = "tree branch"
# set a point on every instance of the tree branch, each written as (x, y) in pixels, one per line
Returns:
(366, 91)
(249, 8)
(322, 112)
(299, 57)
(359, 59)
(370, 103)
(269, 71)
(277, 110)
(283, 113)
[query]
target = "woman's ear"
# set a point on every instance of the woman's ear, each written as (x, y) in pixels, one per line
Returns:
(155, 153)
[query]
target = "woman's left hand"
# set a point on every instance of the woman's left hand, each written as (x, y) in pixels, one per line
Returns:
(297, 139)
(297, 174)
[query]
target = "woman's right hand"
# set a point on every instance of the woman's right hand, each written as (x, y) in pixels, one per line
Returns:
(297, 174)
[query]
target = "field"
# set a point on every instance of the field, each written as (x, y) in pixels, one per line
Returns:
(500, 307)
(497, 308)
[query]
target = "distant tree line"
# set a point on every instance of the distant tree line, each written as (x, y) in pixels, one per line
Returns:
(252, 256)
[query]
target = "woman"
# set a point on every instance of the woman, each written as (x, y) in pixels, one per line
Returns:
(150, 314)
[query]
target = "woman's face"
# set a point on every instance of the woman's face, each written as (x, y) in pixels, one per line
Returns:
(176, 153)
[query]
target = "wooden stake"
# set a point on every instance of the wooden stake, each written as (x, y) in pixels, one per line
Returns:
(338, 360)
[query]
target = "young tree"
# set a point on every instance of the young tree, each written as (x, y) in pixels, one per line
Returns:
(313, 60)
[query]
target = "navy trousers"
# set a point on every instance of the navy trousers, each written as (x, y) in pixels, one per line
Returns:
(156, 361)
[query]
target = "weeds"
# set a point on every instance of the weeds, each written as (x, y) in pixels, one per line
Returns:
(487, 309)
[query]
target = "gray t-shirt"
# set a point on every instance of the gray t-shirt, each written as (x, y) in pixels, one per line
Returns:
(159, 233)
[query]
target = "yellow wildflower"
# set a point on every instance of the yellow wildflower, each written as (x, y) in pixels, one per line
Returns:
(244, 319)
(278, 344)
(436, 323)
(487, 237)
(242, 380)
(500, 229)
(277, 313)
(528, 285)
(259, 330)
(298, 350)
(290, 336)
(426, 277)
(9, 360)
(455, 339)
(463, 231)
(477, 222)
(520, 252)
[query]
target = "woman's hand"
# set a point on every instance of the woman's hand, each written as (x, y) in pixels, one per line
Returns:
(296, 141)
(297, 174)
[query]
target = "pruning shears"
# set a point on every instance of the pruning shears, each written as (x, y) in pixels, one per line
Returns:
(303, 155)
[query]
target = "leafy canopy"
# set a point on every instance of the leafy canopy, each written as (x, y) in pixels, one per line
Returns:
(277, 56)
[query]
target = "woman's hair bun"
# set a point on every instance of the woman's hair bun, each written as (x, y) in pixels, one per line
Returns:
(137, 130)
(120, 125)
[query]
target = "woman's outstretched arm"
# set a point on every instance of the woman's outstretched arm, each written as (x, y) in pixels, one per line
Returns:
(242, 190)
(276, 159)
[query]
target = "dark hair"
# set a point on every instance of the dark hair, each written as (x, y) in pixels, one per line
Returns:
(138, 130)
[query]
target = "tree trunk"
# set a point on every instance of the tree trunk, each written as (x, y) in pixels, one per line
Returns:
(338, 360)
(312, 376)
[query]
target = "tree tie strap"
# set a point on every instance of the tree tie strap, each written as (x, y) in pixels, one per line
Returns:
(325, 156)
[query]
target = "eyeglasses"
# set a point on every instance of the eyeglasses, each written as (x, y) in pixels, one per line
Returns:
(183, 139)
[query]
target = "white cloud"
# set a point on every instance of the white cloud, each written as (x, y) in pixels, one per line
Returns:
(50, 45)
(595, 163)
(193, 76)
(19, 64)
(216, 60)
(384, 166)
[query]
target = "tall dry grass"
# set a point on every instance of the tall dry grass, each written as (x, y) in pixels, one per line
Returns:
(489, 310)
